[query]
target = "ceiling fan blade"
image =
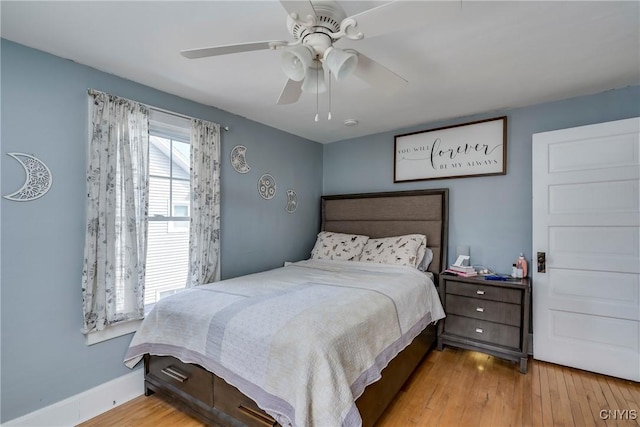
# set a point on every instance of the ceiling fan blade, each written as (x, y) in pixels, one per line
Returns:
(301, 10)
(231, 48)
(398, 16)
(290, 93)
(378, 75)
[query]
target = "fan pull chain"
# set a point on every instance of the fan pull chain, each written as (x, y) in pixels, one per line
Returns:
(317, 94)
(329, 115)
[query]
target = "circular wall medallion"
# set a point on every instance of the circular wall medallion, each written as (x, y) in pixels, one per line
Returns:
(267, 186)
(292, 201)
(239, 159)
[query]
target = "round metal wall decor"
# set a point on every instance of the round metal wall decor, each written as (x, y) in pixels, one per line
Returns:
(292, 201)
(239, 159)
(38, 178)
(267, 186)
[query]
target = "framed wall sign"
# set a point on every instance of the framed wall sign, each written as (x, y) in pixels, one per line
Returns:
(466, 150)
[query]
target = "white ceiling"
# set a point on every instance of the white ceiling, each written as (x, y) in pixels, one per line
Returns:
(465, 57)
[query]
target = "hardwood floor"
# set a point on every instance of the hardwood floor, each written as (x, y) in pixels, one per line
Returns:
(463, 388)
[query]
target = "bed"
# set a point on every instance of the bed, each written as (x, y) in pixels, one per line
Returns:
(176, 355)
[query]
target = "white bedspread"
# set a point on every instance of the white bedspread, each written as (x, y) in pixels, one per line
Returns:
(303, 341)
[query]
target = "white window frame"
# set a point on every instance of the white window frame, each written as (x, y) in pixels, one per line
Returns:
(113, 331)
(175, 129)
(174, 224)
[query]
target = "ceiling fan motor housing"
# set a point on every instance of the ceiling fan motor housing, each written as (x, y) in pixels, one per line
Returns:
(329, 16)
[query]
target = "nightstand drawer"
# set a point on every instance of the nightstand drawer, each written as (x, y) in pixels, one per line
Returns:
(188, 378)
(494, 293)
(481, 330)
(493, 311)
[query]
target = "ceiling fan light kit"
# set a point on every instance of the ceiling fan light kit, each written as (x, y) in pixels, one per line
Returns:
(315, 26)
(296, 60)
(341, 63)
(314, 80)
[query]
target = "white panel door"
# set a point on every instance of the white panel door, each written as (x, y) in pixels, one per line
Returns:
(586, 219)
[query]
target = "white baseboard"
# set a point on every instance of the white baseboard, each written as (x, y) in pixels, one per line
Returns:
(86, 405)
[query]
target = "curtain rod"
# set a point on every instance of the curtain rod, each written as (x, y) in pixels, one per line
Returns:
(162, 110)
(183, 116)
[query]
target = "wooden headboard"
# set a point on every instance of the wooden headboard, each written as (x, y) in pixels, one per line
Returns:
(392, 214)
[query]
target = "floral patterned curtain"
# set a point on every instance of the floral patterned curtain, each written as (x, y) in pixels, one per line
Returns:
(117, 209)
(204, 232)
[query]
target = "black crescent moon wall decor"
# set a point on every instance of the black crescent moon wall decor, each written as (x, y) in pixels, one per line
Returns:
(37, 181)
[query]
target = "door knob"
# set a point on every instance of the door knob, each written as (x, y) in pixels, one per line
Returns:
(542, 262)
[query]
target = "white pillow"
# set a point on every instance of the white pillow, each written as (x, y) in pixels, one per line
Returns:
(406, 250)
(338, 246)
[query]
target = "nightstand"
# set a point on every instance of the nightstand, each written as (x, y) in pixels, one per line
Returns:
(489, 316)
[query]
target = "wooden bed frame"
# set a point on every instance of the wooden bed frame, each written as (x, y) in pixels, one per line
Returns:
(213, 401)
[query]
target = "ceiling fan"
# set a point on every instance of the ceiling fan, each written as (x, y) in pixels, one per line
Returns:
(316, 26)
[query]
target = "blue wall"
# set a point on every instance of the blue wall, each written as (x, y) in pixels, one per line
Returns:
(491, 215)
(44, 112)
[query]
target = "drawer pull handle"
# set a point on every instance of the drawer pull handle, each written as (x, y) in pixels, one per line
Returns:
(252, 413)
(479, 292)
(172, 372)
(479, 330)
(480, 309)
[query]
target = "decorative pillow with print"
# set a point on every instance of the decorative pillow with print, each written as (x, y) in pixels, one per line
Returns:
(338, 246)
(399, 250)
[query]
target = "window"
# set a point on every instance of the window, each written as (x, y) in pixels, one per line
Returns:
(166, 168)
(169, 201)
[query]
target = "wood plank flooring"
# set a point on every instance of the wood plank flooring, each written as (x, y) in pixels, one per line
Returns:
(463, 388)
